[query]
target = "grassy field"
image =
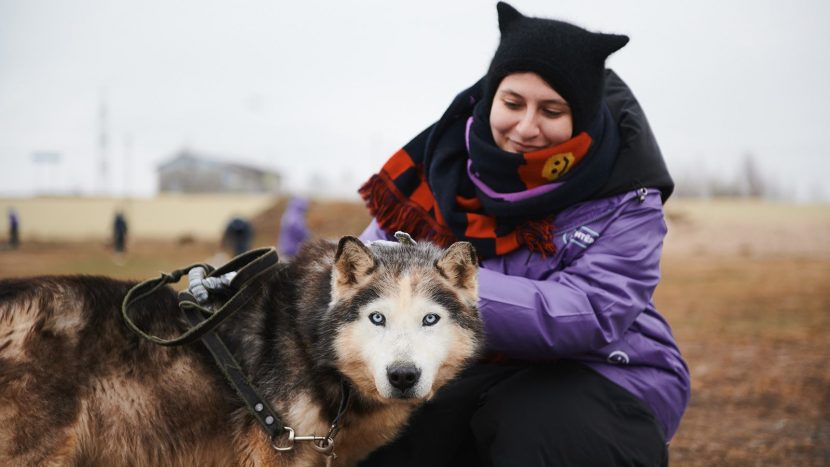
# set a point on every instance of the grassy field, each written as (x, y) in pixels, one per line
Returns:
(167, 216)
(745, 287)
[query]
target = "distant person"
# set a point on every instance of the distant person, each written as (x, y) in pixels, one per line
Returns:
(293, 229)
(119, 232)
(14, 229)
(238, 235)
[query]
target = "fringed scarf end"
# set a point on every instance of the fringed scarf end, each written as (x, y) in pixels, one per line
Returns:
(537, 235)
(393, 211)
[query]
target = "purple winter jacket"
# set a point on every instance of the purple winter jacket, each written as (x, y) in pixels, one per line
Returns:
(293, 229)
(591, 301)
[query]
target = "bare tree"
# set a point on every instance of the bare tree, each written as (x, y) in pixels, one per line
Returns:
(750, 180)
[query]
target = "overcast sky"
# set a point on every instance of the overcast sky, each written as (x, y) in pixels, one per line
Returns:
(325, 91)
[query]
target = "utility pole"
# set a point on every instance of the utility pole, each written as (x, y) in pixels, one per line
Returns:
(103, 144)
(128, 158)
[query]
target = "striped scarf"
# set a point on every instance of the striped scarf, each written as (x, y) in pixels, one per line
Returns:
(451, 182)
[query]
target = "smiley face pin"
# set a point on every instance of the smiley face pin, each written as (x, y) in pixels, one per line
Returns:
(557, 165)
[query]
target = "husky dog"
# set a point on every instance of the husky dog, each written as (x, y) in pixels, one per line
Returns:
(395, 322)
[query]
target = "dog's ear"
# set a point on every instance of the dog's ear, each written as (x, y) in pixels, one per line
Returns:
(459, 265)
(352, 262)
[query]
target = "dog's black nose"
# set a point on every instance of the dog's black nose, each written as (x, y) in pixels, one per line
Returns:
(403, 376)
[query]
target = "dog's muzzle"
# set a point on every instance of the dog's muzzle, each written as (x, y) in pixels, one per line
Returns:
(403, 377)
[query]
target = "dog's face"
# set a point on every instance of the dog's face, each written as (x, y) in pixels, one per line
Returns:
(411, 320)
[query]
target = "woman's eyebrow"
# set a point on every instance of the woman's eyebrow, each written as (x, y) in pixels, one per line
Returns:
(555, 102)
(512, 93)
(544, 102)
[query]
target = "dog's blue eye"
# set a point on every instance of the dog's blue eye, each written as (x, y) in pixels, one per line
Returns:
(431, 319)
(377, 319)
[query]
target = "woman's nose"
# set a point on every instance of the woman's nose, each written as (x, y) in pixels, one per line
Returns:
(527, 127)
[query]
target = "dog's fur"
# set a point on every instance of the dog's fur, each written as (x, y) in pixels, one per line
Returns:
(78, 388)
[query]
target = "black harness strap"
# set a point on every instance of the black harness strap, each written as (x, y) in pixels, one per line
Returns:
(251, 267)
(257, 405)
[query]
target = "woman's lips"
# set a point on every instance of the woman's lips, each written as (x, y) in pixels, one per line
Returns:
(524, 147)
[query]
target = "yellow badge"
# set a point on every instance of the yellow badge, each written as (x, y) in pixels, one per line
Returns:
(557, 166)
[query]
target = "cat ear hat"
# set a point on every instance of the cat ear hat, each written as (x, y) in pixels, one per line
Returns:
(570, 59)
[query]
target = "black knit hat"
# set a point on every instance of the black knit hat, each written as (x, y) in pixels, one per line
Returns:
(570, 59)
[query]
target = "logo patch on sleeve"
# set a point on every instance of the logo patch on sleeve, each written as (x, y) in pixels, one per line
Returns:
(582, 237)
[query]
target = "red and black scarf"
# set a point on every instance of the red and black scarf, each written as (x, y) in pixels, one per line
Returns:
(451, 182)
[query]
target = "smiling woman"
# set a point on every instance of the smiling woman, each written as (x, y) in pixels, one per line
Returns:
(548, 167)
(528, 115)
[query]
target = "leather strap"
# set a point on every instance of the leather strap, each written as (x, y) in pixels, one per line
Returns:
(251, 266)
(257, 405)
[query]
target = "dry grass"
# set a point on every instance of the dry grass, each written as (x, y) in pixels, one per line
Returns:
(756, 335)
(745, 288)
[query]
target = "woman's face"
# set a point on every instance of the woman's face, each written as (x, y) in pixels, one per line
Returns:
(528, 115)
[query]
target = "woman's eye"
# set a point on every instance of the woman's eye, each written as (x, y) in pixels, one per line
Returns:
(430, 319)
(512, 105)
(551, 113)
(377, 319)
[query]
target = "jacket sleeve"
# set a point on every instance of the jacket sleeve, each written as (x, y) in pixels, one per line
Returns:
(584, 305)
(374, 232)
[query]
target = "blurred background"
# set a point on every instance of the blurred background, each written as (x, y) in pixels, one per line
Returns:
(96, 95)
(180, 117)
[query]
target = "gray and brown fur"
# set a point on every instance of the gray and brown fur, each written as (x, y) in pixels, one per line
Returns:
(78, 388)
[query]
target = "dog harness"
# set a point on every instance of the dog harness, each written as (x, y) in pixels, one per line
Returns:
(242, 274)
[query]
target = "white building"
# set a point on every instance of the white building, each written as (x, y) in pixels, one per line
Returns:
(187, 172)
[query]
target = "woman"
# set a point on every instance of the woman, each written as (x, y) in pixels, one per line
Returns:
(548, 166)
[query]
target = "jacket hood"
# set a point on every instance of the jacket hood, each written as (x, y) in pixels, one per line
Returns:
(640, 162)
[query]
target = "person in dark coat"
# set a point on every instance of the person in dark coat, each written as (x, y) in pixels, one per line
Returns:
(119, 232)
(239, 233)
(14, 229)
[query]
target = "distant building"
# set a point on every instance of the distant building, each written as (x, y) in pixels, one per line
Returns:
(187, 172)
